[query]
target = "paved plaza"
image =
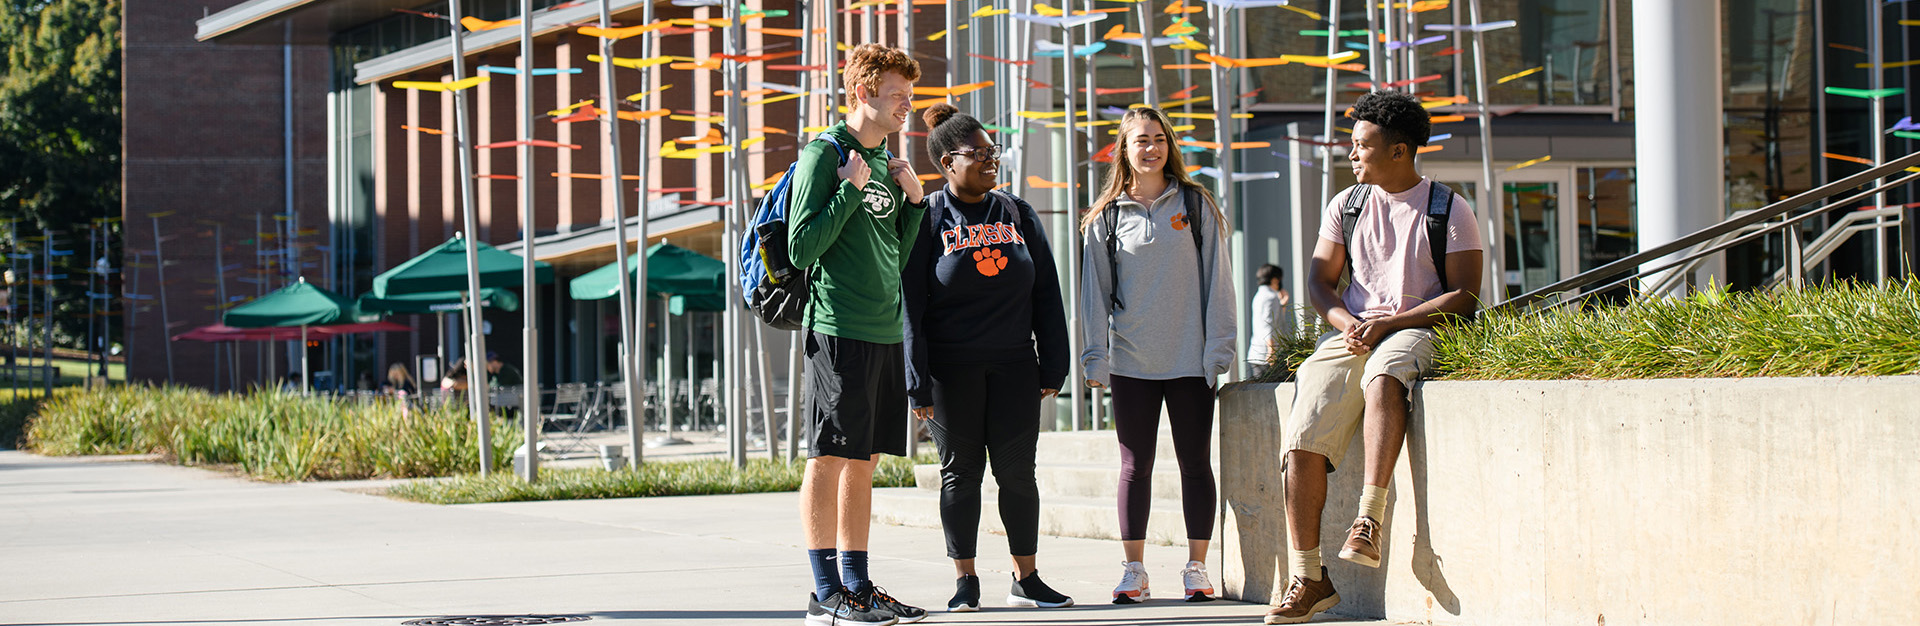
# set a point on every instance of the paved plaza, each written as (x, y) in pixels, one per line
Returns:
(97, 541)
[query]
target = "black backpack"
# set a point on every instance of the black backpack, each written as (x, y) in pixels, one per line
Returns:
(1439, 209)
(1195, 207)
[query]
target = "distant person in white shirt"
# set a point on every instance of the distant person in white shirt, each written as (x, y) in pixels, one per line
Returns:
(1270, 304)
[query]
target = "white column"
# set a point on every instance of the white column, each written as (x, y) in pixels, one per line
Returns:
(1677, 143)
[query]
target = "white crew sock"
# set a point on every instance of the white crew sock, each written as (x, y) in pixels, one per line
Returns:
(1305, 562)
(1373, 502)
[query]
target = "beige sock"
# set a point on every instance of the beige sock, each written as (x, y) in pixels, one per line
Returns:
(1373, 502)
(1305, 562)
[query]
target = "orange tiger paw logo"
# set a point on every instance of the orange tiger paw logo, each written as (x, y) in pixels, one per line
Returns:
(990, 261)
(1179, 221)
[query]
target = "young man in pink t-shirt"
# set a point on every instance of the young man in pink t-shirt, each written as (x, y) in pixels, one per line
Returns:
(1383, 338)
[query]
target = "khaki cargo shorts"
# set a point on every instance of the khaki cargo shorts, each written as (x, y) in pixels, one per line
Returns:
(1330, 389)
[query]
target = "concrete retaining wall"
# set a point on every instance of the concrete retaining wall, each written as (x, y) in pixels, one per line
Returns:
(1754, 501)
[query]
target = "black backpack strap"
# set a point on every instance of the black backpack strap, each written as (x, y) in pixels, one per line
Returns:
(1439, 210)
(1350, 216)
(1196, 209)
(1111, 216)
(1002, 200)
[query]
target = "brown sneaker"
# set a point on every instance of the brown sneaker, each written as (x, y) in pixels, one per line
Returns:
(1304, 598)
(1361, 547)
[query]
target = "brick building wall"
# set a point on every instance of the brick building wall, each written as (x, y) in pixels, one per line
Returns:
(204, 127)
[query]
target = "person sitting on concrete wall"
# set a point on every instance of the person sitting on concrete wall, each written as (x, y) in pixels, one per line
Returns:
(1388, 231)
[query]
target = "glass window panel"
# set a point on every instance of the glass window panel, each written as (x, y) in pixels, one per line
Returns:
(1559, 53)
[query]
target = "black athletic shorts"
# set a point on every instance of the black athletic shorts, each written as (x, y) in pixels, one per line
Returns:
(857, 397)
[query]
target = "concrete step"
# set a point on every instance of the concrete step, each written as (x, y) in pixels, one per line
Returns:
(1095, 446)
(1094, 518)
(1076, 480)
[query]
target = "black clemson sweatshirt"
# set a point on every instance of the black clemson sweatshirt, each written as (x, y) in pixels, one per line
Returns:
(980, 287)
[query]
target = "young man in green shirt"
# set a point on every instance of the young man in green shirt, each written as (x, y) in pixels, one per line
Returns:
(851, 226)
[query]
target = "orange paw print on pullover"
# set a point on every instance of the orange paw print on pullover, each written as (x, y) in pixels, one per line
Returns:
(990, 261)
(1179, 221)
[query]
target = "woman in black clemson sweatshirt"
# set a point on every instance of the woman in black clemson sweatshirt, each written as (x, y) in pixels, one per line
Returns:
(986, 340)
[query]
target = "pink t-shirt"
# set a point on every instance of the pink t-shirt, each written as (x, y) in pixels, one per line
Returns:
(1393, 264)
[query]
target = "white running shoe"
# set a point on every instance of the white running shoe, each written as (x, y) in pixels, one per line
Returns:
(1133, 584)
(1194, 576)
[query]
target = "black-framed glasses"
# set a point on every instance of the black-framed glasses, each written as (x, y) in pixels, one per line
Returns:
(989, 153)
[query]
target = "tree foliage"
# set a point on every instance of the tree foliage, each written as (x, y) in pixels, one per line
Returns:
(60, 140)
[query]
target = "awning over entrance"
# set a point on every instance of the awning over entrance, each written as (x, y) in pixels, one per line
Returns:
(577, 252)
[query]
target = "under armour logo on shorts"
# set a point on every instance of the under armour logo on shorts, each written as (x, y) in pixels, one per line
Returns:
(839, 440)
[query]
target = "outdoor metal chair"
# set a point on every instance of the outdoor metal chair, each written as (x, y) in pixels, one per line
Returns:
(572, 407)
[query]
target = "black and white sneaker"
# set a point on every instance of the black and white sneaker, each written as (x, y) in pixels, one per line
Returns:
(966, 595)
(1034, 593)
(843, 609)
(878, 598)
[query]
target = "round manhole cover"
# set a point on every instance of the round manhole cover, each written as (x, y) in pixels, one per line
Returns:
(495, 620)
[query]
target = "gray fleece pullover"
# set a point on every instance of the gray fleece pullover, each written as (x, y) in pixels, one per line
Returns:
(1173, 325)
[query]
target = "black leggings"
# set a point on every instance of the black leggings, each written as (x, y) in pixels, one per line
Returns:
(981, 413)
(1136, 419)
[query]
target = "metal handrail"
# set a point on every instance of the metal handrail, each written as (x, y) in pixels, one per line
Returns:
(1631, 265)
(1837, 235)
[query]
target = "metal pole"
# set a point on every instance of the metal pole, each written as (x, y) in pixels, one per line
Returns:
(736, 210)
(1225, 98)
(1377, 61)
(160, 269)
(1389, 31)
(1876, 70)
(795, 382)
(477, 398)
(766, 393)
(906, 44)
(1494, 289)
(220, 292)
(611, 187)
(306, 373)
(832, 71)
(1326, 119)
(46, 319)
(1147, 69)
(13, 301)
(953, 42)
(636, 444)
(693, 371)
(93, 251)
(1078, 391)
(529, 310)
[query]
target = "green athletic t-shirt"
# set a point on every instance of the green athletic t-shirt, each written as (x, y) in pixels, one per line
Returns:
(856, 239)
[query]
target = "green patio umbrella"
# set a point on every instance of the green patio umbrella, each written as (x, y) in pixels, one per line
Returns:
(671, 269)
(444, 268)
(690, 280)
(300, 304)
(435, 301)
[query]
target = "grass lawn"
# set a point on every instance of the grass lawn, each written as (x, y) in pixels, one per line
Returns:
(28, 372)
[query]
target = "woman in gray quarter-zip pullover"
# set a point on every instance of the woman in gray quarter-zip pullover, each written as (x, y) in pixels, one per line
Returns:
(1157, 307)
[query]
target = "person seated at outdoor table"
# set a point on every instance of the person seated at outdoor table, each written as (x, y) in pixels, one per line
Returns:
(401, 386)
(500, 374)
(456, 378)
(399, 381)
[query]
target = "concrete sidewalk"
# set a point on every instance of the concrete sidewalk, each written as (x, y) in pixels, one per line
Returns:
(106, 541)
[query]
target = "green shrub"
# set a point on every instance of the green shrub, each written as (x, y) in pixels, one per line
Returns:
(1838, 329)
(14, 415)
(267, 434)
(669, 478)
(1841, 329)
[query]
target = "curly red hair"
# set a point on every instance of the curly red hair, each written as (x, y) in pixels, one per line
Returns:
(869, 63)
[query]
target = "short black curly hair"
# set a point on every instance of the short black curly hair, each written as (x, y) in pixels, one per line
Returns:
(1397, 113)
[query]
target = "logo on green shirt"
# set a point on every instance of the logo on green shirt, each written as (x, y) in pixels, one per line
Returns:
(879, 199)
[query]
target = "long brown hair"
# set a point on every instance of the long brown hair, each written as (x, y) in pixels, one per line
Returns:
(1120, 174)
